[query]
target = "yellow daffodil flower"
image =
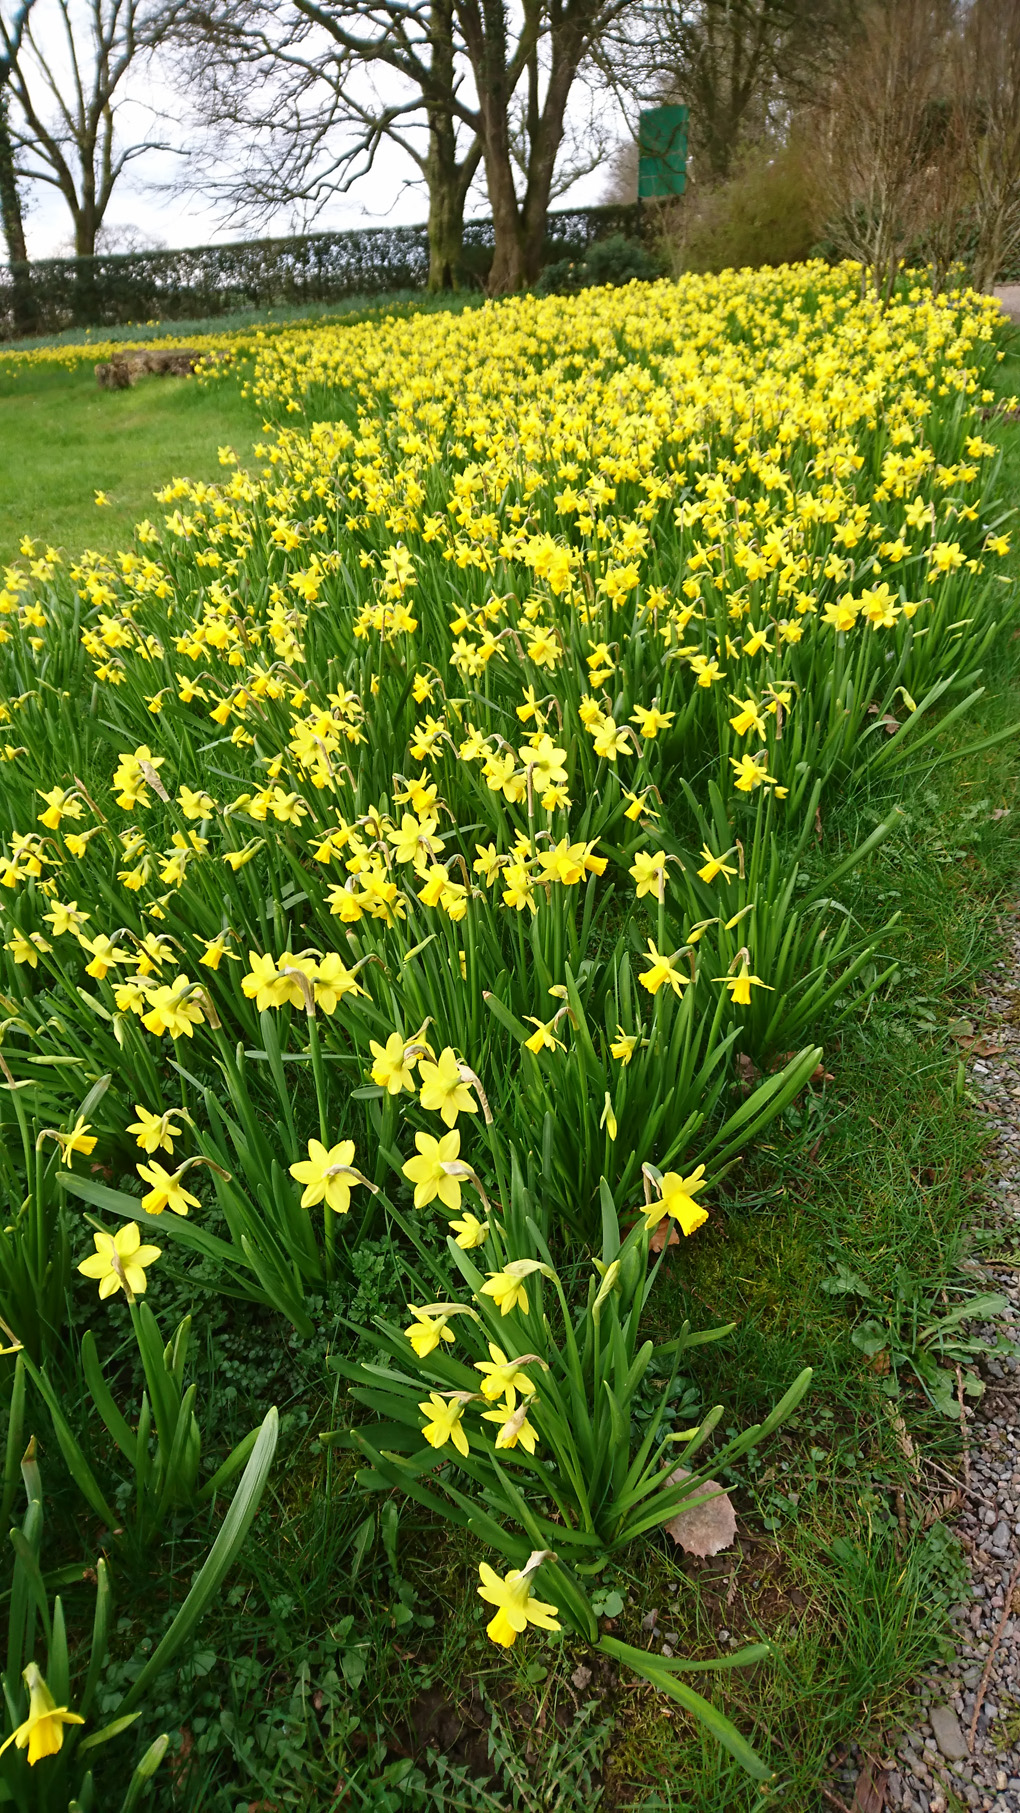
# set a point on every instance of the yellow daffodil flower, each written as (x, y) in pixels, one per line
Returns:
(429, 1171)
(445, 1422)
(663, 972)
(42, 1733)
(119, 1261)
(443, 1087)
(154, 1132)
(166, 1191)
(427, 1331)
(516, 1608)
(327, 1175)
(677, 1199)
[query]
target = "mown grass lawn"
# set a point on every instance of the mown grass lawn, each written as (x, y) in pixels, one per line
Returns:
(62, 439)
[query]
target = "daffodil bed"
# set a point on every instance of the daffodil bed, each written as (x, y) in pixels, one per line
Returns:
(408, 832)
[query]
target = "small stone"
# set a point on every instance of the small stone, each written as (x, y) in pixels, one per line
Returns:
(1001, 1535)
(948, 1733)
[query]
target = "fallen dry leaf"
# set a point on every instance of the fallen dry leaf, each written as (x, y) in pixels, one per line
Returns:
(942, 1507)
(664, 1234)
(902, 1434)
(869, 1794)
(580, 1677)
(978, 1045)
(708, 1527)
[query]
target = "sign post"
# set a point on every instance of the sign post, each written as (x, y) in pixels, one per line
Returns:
(662, 151)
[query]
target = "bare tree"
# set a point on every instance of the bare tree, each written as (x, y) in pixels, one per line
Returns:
(12, 220)
(945, 212)
(741, 66)
(316, 87)
(882, 132)
(554, 40)
(988, 91)
(68, 63)
(312, 89)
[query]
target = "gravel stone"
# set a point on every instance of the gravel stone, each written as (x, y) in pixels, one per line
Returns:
(948, 1733)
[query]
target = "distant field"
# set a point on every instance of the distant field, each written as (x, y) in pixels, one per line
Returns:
(62, 439)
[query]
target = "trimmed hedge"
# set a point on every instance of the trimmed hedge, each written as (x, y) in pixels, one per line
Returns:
(109, 290)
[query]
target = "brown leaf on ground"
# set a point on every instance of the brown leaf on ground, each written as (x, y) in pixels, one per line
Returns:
(708, 1527)
(747, 1071)
(942, 1508)
(903, 1437)
(978, 1044)
(664, 1234)
(869, 1794)
(818, 1075)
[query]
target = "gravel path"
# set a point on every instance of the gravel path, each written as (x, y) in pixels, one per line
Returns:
(1008, 294)
(932, 1767)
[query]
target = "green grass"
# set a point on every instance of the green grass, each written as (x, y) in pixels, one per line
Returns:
(62, 439)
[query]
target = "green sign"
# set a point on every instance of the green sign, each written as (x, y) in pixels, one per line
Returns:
(662, 151)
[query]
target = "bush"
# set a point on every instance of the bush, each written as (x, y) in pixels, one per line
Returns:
(765, 215)
(615, 260)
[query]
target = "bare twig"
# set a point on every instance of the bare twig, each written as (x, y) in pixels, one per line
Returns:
(834, 1801)
(1007, 1611)
(963, 1427)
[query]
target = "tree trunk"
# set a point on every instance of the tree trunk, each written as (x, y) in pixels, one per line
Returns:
(545, 138)
(446, 200)
(507, 272)
(84, 232)
(24, 308)
(484, 26)
(446, 210)
(988, 253)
